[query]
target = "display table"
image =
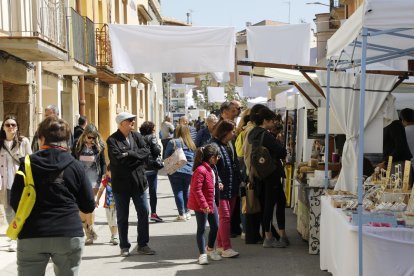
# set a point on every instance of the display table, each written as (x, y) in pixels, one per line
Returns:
(308, 215)
(386, 251)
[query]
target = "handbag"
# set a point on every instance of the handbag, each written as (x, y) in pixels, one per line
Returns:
(158, 163)
(250, 203)
(26, 202)
(176, 160)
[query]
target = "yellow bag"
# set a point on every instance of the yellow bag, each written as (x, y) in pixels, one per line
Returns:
(26, 203)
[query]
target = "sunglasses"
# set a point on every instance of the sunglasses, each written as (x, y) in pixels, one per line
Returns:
(10, 125)
(91, 137)
(130, 120)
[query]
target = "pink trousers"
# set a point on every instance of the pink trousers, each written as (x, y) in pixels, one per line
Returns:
(225, 210)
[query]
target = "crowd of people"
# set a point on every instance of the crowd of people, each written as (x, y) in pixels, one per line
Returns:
(71, 175)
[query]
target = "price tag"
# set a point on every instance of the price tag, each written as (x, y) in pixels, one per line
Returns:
(388, 175)
(406, 177)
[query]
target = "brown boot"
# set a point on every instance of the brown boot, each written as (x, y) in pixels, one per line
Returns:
(89, 238)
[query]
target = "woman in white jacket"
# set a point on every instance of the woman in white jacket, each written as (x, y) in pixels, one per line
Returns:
(12, 148)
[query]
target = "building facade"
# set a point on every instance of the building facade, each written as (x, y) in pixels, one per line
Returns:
(58, 52)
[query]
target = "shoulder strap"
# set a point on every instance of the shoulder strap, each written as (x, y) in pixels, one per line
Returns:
(261, 138)
(175, 146)
(28, 169)
(11, 155)
(28, 177)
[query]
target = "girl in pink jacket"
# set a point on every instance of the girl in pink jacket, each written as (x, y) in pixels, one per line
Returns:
(201, 200)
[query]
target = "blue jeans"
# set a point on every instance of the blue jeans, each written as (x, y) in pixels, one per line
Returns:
(34, 254)
(180, 183)
(122, 213)
(152, 182)
(201, 227)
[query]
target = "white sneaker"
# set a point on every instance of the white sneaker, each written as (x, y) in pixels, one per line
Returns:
(243, 236)
(203, 260)
(213, 254)
(188, 215)
(12, 246)
(229, 253)
(181, 218)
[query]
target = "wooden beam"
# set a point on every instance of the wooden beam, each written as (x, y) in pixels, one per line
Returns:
(312, 69)
(304, 94)
(314, 84)
(278, 65)
(400, 80)
(391, 73)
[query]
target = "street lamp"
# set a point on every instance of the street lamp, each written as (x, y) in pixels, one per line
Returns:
(317, 3)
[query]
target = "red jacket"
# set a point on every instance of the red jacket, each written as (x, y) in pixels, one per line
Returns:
(202, 189)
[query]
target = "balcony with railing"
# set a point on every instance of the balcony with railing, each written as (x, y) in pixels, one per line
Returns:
(33, 30)
(104, 67)
(82, 54)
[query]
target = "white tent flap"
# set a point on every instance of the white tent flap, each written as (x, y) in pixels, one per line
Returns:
(287, 44)
(171, 49)
(345, 105)
(215, 94)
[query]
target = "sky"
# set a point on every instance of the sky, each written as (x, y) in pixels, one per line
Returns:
(237, 12)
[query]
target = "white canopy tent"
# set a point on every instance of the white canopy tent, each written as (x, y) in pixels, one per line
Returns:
(390, 24)
(379, 30)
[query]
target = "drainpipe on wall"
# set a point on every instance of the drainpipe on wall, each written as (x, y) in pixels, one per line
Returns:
(39, 93)
(82, 101)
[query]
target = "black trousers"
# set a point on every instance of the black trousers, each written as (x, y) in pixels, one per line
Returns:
(235, 218)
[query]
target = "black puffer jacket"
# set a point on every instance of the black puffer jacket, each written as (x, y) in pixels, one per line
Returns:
(154, 147)
(61, 191)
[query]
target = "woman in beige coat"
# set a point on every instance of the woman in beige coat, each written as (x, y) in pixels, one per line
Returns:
(12, 148)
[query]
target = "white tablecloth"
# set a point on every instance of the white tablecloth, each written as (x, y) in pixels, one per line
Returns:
(386, 251)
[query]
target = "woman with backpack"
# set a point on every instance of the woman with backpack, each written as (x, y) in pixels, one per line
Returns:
(270, 188)
(12, 148)
(53, 230)
(90, 151)
(229, 174)
(147, 130)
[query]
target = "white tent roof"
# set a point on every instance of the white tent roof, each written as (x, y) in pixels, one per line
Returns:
(395, 18)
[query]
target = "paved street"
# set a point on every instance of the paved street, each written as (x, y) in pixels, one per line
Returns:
(177, 250)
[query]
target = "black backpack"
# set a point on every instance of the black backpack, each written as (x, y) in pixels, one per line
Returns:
(261, 162)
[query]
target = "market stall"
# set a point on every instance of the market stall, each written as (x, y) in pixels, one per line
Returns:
(379, 30)
(386, 251)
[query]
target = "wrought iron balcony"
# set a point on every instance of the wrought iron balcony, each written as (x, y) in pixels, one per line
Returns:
(104, 57)
(34, 30)
(81, 41)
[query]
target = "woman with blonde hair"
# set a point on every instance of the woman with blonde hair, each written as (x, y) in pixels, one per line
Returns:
(90, 151)
(181, 179)
(12, 148)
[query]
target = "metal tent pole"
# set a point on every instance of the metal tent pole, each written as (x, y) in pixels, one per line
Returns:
(361, 145)
(328, 98)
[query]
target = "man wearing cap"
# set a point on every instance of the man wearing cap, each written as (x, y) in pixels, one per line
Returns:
(128, 154)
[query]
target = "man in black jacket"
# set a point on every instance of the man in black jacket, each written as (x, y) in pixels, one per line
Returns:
(128, 155)
(78, 130)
